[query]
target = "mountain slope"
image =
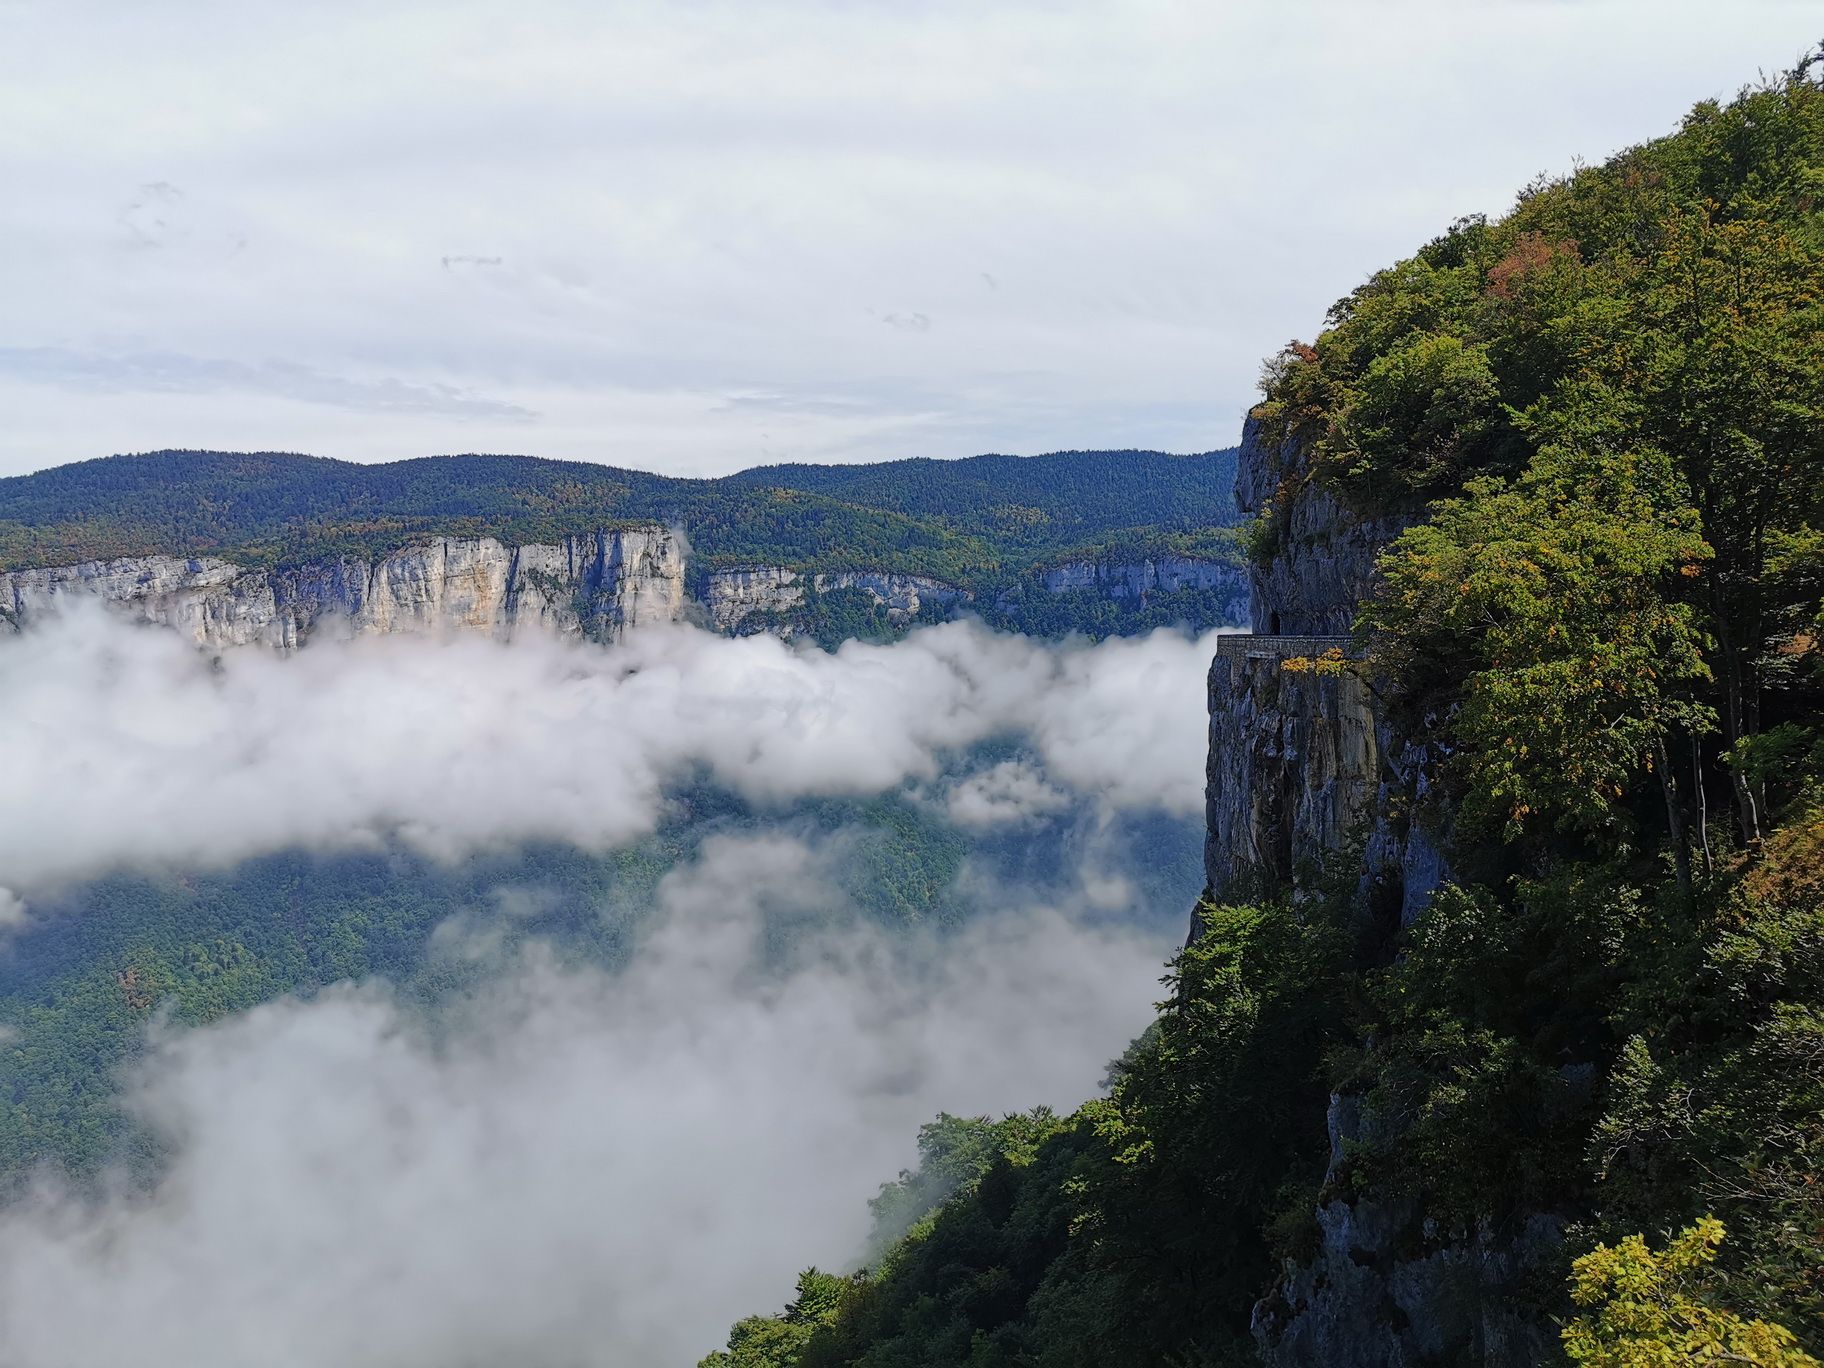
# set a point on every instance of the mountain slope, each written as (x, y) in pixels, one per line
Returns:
(1501, 1039)
(964, 521)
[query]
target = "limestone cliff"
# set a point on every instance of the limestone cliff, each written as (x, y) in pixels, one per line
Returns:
(733, 596)
(1381, 1292)
(601, 584)
(1321, 563)
(1305, 769)
(1134, 580)
(1300, 763)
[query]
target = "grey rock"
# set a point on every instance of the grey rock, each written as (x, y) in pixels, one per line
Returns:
(1324, 563)
(1302, 765)
(732, 596)
(602, 584)
(901, 595)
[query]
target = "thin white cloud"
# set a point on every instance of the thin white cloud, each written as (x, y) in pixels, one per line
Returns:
(125, 746)
(1012, 793)
(159, 373)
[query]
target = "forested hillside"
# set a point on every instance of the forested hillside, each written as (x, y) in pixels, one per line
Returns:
(970, 522)
(1586, 1080)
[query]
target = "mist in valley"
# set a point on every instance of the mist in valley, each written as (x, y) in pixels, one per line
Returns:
(688, 937)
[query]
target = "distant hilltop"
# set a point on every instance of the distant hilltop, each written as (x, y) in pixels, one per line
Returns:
(269, 548)
(965, 521)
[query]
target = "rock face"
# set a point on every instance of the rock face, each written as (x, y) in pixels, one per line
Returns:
(1303, 767)
(1300, 762)
(1382, 1293)
(1136, 580)
(1294, 762)
(732, 596)
(599, 584)
(901, 595)
(1322, 565)
(602, 584)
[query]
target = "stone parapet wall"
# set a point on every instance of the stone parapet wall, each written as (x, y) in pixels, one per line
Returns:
(1258, 646)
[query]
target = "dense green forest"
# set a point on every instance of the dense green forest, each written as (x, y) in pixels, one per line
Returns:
(977, 522)
(1610, 625)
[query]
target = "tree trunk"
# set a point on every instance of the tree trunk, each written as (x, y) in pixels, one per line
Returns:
(1675, 819)
(1703, 805)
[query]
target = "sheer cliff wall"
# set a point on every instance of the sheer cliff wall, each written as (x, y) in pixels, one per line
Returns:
(601, 584)
(1301, 763)
(1305, 770)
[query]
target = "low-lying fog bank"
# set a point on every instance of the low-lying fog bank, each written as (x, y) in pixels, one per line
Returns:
(572, 1156)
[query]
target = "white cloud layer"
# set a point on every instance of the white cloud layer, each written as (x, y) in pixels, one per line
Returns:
(1012, 793)
(125, 746)
(574, 1168)
(699, 237)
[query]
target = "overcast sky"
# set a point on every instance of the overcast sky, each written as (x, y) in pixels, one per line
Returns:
(698, 236)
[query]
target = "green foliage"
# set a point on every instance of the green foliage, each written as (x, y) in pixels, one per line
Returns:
(954, 1152)
(1424, 408)
(1560, 589)
(1095, 614)
(777, 1341)
(1211, 1116)
(1604, 637)
(1645, 1310)
(1620, 386)
(1129, 1232)
(968, 522)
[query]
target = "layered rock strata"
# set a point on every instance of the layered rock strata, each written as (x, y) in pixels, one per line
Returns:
(1306, 771)
(1301, 762)
(602, 584)
(733, 596)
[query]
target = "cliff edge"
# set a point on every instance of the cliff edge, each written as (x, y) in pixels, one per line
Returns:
(1309, 784)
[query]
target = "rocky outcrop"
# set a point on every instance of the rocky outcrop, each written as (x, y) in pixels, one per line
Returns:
(1136, 581)
(1384, 1292)
(733, 596)
(210, 601)
(1294, 762)
(901, 595)
(1322, 555)
(1133, 579)
(601, 584)
(1306, 770)
(1301, 763)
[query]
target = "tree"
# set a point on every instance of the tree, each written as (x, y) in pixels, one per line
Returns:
(1647, 1310)
(1560, 591)
(1730, 361)
(778, 1341)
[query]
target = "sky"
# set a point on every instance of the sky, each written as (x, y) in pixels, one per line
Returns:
(698, 236)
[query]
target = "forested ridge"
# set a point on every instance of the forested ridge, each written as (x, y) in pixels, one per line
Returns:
(1606, 410)
(971, 522)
